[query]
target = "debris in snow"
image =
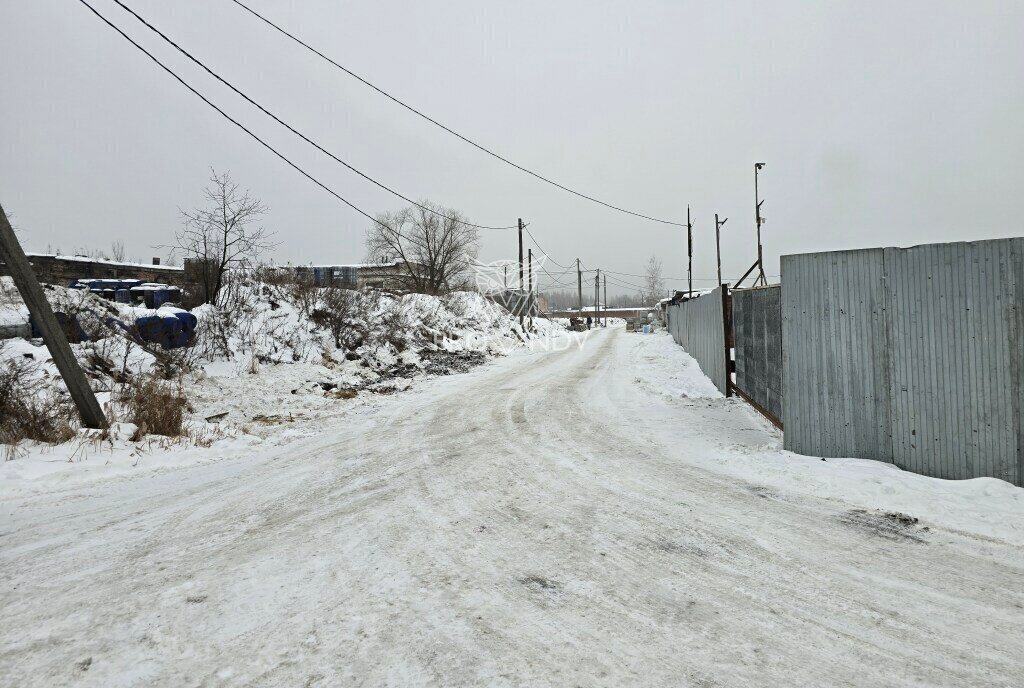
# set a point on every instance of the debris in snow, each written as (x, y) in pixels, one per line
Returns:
(891, 525)
(540, 583)
(344, 393)
(902, 519)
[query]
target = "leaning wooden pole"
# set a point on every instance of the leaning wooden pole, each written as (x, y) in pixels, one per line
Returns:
(42, 315)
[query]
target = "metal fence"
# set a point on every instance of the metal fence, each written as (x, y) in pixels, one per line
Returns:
(913, 356)
(757, 336)
(698, 325)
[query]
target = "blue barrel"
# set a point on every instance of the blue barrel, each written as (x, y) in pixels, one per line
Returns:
(188, 321)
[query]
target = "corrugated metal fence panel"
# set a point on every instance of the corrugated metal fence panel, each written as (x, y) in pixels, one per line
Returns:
(698, 326)
(957, 356)
(914, 356)
(1017, 351)
(835, 390)
(757, 330)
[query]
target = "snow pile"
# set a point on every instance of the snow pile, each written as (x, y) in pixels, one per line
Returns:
(683, 379)
(270, 362)
(378, 333)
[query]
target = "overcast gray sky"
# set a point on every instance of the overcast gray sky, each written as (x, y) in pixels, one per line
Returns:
(881, 122)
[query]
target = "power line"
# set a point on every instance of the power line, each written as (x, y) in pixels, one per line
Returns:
(556, 279)
(541, 249)
(672, 279)
(623, 283)
(243, 127)
(289, 127)
(447, 129)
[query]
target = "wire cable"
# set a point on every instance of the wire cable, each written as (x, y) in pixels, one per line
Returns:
(292, 129)
(448, 129)
(246, 130)
(541, 249)
(556, 279)
(671, 279)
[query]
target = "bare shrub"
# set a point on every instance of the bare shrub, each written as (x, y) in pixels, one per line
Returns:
(171, 364)
(302, 294)
(155, 406)
(395, 326)
(455, 304)
(336, 312)
(28, 410)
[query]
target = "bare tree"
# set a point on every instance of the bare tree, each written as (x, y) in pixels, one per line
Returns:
(654, 285)
(224, 235)
(117, 251)
(434, 248)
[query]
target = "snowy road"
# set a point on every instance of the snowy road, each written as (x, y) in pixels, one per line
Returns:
(543, 520)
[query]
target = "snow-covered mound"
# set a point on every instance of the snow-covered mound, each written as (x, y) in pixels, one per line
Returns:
(269, 351)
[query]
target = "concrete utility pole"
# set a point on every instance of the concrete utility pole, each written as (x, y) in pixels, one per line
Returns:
(689, 252)
(42, 315)
(606, 300)
(760, 221)
(520, 270)
(529, 298)
(597, 297)
(579, 287)
(718, 245)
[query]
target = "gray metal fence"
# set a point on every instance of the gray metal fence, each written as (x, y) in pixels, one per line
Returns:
(913, 356)
(757, 335)
(698, 325)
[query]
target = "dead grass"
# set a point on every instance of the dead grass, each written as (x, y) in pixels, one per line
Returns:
(28, 410)
(155, 406)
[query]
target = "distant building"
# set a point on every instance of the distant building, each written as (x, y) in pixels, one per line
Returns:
(65, 270)
(387, 276)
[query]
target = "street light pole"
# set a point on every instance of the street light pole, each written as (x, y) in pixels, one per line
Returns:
(760, 220)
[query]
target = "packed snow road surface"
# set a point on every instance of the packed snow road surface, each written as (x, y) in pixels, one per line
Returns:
(552, 518)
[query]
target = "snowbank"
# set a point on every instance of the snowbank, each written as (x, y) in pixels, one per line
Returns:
(744, 445)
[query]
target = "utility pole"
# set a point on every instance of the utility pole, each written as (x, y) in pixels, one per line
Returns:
(718, 245)
(505, 279)
(760, 221)
(42, 315)
(597, 298)
(606, 300)
(529, 298)
(520, 270)
(689, 251)
(579, 287)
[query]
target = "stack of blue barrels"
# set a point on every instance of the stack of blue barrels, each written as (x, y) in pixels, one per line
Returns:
(155, 295)
(106, 288)
(170, 328)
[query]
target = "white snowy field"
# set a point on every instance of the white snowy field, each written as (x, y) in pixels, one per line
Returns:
(590, 516)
